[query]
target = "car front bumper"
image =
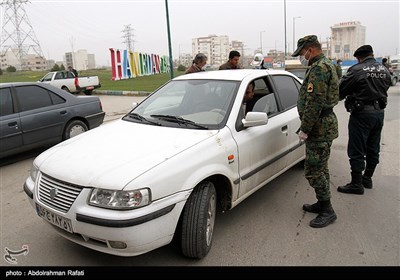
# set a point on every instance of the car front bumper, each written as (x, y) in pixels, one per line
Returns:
(122, 233)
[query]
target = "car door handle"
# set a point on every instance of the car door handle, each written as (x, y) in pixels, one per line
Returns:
(12, 124)
(284, 128)
(63, 112)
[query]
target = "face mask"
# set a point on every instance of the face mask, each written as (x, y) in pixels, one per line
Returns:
(303, 59)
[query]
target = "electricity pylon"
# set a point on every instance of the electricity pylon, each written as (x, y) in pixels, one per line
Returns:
(17, 33)
(128, 35)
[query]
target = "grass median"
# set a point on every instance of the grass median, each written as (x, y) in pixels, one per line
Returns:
(145, 83)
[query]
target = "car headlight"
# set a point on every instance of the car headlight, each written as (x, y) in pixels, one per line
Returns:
(34, 172)
(122, 200)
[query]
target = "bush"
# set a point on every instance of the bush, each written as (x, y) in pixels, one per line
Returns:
(1, 71)
(11, 69)
(181, 67)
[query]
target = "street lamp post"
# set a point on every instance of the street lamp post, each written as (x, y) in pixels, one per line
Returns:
(171, 64)
(328, 46)
(294, 32)
(261, 32)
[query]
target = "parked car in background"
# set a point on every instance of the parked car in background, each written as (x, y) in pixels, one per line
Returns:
(395, 76)
(67, 81)
(33, 115)
(298, 70)
(164, 169)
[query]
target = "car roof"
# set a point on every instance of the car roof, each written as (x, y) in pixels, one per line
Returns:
(230, 75)
(18, 84)
(44, 85)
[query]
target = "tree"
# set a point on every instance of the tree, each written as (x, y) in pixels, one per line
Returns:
(1, 71)
(62, 67)
(55, 67)
(10, 69)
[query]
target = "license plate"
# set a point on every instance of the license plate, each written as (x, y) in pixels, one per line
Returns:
(89, 87)
(54, 219)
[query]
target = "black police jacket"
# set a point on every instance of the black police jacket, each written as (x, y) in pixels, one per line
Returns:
(366, 81)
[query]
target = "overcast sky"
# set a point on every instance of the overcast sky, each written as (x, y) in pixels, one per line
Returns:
(96, 26)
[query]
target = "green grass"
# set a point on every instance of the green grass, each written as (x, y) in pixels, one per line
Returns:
(145, 83)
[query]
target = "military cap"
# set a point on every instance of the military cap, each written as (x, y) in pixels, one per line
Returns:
(304, 41)
(363, 51)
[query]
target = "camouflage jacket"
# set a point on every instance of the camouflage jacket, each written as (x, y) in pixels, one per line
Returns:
(319, 93)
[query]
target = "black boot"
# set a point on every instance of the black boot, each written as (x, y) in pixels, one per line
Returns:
(355, 186)
(367, 182)
(367, 177)
(313, 208)
(325, 217)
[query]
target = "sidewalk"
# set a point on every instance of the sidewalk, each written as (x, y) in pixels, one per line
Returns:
(119, 92)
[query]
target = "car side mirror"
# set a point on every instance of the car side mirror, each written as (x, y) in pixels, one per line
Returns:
(255, 119)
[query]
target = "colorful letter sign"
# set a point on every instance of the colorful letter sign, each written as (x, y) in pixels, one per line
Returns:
(127, 64)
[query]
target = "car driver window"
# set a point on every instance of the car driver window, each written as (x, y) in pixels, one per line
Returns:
(59, 76)
(6, 104)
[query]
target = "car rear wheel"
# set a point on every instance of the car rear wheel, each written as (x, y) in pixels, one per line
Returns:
(198, 221)
(66, 89)
(74, 128)
(88, 92)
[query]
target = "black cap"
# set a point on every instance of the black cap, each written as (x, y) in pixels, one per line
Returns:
(363, 51)
(304, 41)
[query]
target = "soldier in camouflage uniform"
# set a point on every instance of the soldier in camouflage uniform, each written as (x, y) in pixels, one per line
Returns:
(318, 95)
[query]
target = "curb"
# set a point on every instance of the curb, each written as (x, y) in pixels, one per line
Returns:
(120, 92)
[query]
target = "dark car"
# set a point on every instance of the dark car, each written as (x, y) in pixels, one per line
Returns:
(33, 115)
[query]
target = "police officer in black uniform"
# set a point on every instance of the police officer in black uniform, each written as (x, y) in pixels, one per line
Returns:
(365, 87)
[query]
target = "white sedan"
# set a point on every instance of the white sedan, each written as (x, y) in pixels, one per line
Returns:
(165, 168)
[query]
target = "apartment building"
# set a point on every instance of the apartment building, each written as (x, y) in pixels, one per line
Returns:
(216, 48)
(345, 38)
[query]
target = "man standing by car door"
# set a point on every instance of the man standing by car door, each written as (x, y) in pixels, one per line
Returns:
(318, 95)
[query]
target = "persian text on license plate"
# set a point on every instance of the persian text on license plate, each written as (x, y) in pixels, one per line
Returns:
(54, 219)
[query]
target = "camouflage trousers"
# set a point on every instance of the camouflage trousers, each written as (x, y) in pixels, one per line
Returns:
(316, 168)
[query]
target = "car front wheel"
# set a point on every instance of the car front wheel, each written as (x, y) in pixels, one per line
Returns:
(198, 221)
(74, 128)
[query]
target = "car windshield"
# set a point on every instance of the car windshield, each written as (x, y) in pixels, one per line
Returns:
(194, 104)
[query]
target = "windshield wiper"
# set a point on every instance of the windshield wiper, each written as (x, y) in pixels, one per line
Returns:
(179, 120)
(141, 118)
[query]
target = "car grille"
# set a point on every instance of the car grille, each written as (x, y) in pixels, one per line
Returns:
(57, 194)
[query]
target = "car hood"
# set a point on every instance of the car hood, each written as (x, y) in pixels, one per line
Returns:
(114, 154)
